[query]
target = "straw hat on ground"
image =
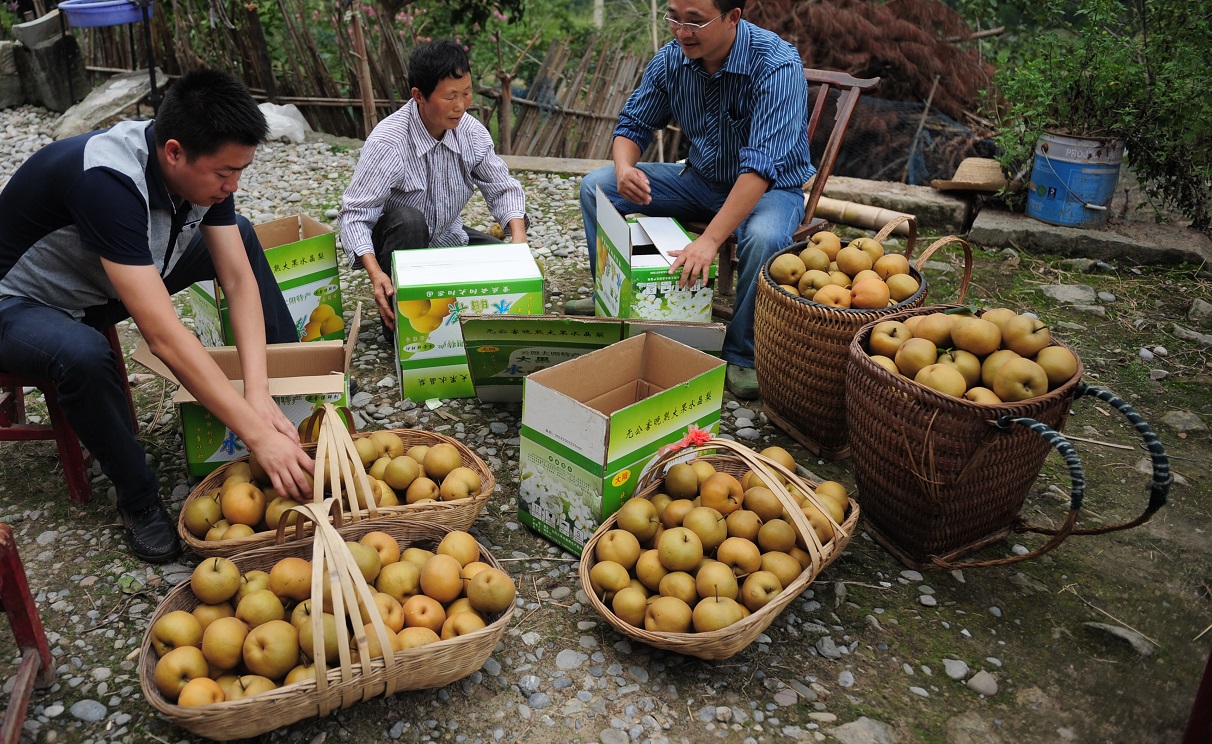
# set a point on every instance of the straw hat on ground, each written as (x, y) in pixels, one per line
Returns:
(974, 174)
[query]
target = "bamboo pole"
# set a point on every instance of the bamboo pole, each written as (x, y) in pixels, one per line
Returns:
(369, 116)
(858, 215)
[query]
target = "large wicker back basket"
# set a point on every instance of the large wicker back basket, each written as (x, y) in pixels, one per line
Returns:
(800, 352)
(941, 477)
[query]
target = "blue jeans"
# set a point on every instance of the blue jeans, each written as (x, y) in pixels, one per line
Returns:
(43, 341)
(681, 193)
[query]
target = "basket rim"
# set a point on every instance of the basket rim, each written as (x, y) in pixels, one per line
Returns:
(228, 548)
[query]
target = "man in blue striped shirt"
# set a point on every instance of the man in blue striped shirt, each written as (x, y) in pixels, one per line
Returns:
(739, 95)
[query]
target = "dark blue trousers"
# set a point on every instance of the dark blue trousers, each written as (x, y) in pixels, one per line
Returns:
(43, 341)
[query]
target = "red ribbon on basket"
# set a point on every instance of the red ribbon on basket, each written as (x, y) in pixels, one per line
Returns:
(695, 437)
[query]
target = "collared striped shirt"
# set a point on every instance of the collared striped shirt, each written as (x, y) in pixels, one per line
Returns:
(402, 164)
(750, 116)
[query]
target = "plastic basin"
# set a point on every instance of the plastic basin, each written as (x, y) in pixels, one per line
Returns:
(86, 13)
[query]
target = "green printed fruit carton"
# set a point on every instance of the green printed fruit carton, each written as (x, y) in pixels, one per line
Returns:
(590, 425)
(434, 288)
(302, 254)
(503, 349)
(302, 378)
(633, 261)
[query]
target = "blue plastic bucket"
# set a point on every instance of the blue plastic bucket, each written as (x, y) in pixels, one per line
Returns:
(1073, 180)
(88, 13)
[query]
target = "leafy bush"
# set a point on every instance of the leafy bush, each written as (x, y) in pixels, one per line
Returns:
(1108, 69)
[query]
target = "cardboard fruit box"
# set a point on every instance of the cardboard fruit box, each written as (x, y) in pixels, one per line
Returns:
(434, 287)
(590, 424)
(302, 377)
(633, 279)
(303, 256)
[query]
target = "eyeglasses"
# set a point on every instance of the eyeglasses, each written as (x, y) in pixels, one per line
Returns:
(693, 28)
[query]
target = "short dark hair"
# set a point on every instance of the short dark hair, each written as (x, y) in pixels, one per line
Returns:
(207, 109)
(435, 61)
(726, 6)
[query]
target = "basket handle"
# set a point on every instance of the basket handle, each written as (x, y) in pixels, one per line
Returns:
(895, 222)
(331, 559)
(1077, 478)
(944, 241)
(1159, 485)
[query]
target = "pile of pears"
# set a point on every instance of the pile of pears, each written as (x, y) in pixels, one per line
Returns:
(246, 504)
(858, 276)
(255, 632)
(708, 549)
(1000, 356)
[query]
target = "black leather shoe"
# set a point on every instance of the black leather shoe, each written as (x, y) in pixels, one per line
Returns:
(151, 534)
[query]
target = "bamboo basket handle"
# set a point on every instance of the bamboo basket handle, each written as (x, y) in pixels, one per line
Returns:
(354, 587)
(895, 222)
(331, 560)
(948, 240)
(346, 476)
(307, 514)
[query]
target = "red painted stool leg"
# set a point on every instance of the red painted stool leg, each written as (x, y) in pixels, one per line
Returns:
(35, 669)
(75, 470)
(1199, 725)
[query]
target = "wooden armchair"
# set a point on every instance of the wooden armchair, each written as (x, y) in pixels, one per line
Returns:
(849, 89)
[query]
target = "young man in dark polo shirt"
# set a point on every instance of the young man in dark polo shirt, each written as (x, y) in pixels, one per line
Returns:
(108, 225)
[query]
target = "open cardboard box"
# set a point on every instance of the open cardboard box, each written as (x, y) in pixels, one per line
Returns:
(302, 377)
(589, 425)
(503, 349)
(633, 260)
(303, 256)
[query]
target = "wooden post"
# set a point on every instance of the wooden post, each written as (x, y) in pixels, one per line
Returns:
(505, 113)
(265, 70)
(369, 118)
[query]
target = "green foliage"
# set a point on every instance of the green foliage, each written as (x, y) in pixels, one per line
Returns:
(1108, 69)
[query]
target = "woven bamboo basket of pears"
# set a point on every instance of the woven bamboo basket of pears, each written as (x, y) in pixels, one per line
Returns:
(336, 454)
(801, 347)
(942, 477)
(734, 459)
(359, 674)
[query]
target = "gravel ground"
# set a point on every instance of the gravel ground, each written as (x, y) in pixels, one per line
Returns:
(866, 638)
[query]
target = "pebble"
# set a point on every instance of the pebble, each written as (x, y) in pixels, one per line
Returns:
(1145, 355)
(89, 710)
(983, 683)
(827, 648)
(956, 669)
(927, 600)
(569, 659)
(919, 691)
(845, 679)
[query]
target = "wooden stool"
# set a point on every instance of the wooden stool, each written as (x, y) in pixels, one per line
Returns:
(35, 669)
(15, 427)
